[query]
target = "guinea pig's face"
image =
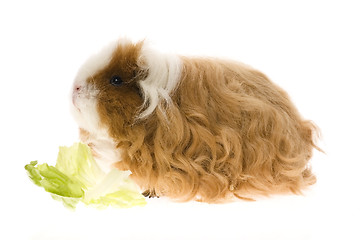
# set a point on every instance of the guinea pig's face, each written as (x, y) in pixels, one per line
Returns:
(106, 91)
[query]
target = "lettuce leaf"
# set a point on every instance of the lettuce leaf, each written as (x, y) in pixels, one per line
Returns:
(77, 177)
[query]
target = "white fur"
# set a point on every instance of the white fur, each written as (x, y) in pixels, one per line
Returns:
(164, 72)
(85, 101)
(84, 109)
(106, 152)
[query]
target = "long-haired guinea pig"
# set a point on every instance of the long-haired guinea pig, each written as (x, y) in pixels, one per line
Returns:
(191, 128)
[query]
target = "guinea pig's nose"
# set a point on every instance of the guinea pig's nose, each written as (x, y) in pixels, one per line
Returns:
(77, 88)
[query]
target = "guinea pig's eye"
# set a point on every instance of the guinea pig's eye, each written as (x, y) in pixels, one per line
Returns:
(116, 81)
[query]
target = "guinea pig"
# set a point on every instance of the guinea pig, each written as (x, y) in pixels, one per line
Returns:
(191, 128)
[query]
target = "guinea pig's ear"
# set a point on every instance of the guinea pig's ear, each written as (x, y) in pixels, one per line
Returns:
(140, 74)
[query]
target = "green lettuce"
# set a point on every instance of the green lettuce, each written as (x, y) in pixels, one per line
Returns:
(76, 178)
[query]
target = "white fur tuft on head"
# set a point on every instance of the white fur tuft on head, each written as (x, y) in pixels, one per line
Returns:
(164, 72)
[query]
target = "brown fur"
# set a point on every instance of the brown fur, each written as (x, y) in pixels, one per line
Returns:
(229, 131)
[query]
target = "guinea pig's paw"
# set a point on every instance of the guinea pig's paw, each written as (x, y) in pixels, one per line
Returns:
(150, 194)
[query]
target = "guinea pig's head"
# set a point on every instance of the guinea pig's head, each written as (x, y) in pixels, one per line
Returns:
(121, 84)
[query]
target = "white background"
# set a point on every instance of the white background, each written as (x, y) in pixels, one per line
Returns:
(310, 48)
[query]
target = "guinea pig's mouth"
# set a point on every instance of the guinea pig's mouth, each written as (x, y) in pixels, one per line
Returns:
(74, 101)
